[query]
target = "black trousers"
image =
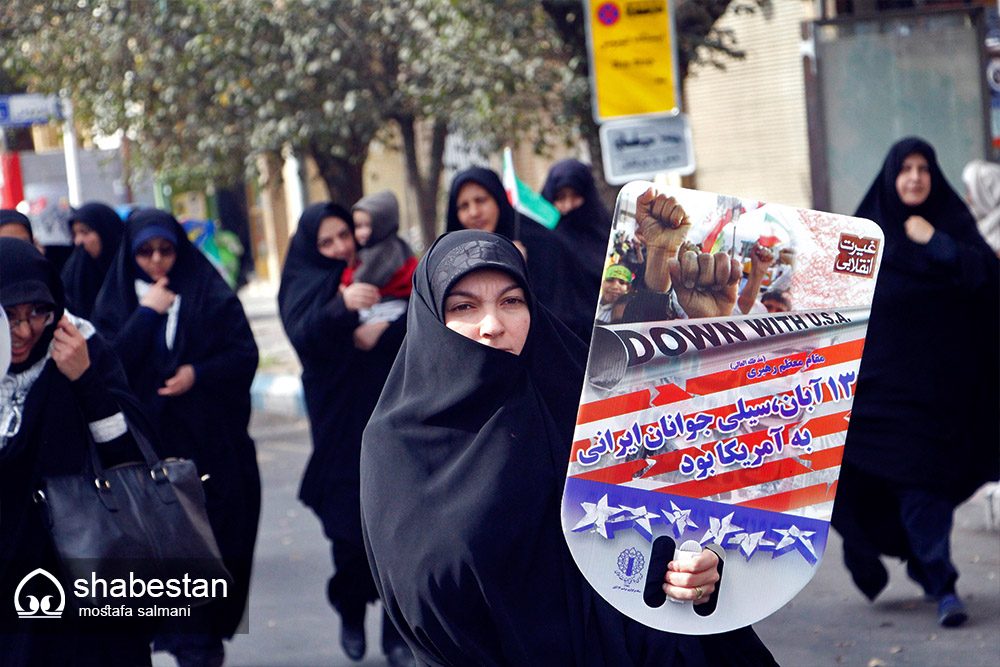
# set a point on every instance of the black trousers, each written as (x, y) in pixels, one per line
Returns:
(877, 516)
(352, 586)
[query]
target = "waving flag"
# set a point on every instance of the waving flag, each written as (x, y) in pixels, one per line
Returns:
(525, 200)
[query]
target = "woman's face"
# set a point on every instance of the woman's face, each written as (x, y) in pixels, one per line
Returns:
(477, 209)
(567, 199)
(914, 180)
(156, 257)
(88, 238)
(28, 322)
(489, 307)
(336, 241)
(15, 231)
(362, 226)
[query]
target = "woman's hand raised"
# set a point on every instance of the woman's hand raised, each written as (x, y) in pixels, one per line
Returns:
(69, 350)
(159, 298)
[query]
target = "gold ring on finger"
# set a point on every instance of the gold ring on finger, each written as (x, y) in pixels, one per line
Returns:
(697, 589)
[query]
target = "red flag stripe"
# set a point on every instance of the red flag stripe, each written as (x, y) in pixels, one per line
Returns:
(794, 499)
(769, 472)
(818, 427)
(631, 402)
(706, 384)
(730, 379)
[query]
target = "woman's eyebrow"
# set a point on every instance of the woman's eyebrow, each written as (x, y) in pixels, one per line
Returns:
(508, 288)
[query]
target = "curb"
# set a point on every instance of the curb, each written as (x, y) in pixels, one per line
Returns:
(278, 394)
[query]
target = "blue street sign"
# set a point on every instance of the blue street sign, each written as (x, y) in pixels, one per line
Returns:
(19, 110)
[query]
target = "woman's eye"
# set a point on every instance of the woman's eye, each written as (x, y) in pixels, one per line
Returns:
(513, 301)
(459, 307)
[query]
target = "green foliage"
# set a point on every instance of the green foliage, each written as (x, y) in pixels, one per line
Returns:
(205, 85)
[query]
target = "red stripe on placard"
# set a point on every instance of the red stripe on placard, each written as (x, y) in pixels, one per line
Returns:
(631, 402)
(706, 384)
(625, 472)
(730, 379)
(794, 499)
(614, 406)
(818, 427)
(769, 472)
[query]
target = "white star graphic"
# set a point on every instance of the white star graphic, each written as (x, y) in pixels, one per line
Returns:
(793, 534)
(680, 518)
(597, 516)
(718, 530)
(641, 516)
(750, 541)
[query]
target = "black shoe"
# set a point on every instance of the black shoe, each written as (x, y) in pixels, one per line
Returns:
(400, 656)
(352, 640)
(951, 611)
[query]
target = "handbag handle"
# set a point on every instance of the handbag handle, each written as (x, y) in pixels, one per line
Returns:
(157, 470)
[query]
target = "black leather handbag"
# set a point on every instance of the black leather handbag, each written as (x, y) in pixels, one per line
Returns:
(136, 521)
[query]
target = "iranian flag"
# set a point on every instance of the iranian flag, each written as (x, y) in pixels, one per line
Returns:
(525, 200)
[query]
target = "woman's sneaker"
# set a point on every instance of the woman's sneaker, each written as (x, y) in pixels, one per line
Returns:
(951, 611)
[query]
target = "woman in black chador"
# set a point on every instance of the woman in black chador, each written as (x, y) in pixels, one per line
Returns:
(560, 277)
(97, 233)
(345, 360)
(190, 356)
(462, 468)
(923, 434)
(63, 388)
(584, 223)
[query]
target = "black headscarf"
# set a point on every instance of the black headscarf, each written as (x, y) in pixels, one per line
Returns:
(27, 277)
(309, 279)
(558, 273)
(588, 226)
(928, 380)
(82, 274)
(52, 440)
(462, 468)
(320, 327)
(9, 216)
(208, 423)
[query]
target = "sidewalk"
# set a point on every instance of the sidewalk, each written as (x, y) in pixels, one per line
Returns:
(277, 387)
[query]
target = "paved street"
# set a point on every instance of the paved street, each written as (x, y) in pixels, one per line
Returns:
(829, 623)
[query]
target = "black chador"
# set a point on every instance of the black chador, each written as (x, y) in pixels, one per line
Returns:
(924, 428)
(204, 328)
(48, 421)
(341, 385)
(82, 274)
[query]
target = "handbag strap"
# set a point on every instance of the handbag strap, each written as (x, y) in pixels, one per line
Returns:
(157, 470)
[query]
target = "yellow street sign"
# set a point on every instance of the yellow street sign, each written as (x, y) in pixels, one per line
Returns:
(632, 63)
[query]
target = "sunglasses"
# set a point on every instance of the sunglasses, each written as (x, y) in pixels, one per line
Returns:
(147, 251)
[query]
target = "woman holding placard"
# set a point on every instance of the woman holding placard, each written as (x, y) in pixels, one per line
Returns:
(462, 468)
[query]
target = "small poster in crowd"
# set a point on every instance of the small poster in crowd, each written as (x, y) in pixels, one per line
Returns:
(722, 370)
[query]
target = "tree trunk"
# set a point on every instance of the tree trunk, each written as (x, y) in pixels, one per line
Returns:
(344, 177)
(425, 183)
